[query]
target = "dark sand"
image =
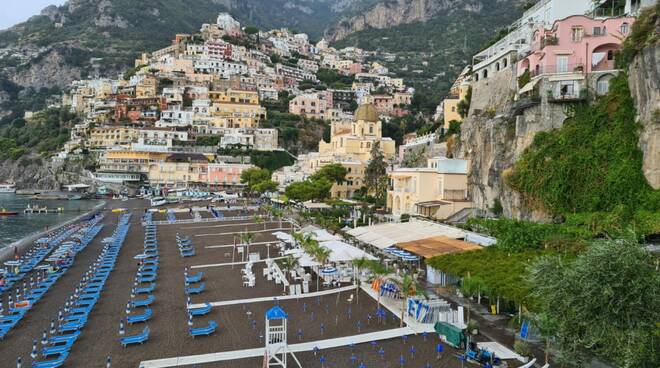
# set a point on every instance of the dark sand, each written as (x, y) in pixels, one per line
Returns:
(238, 329)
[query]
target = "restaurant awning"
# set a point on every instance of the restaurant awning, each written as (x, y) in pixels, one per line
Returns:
(437, 245)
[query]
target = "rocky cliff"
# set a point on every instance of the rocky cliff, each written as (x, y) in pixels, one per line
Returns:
(393, 13)
(499, 129)
(644, 82)
(34, 172)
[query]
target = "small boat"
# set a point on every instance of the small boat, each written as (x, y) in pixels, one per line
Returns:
(4, 212)
(7, 188)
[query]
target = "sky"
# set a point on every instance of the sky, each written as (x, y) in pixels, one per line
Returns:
(16, 11)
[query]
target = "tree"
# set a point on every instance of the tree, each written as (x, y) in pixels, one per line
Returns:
(247, 238)
(287, 264)
(253, 177)
(379, 271)
(408, 286)
(472, 286)
(335, 173)
(251, 30)
(321, 255)
(603, 303)
(266, 186)
(375, 175)
(359, 265)
(463, 106)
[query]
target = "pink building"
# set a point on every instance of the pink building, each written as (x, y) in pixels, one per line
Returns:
(576, 44)
(225, 175)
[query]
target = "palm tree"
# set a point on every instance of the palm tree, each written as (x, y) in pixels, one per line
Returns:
(321, 254)
(359, 265)
(287, 264)
(279, 214)
(246, 238)
(380, 271)
(258, 219)
(408, 286)
(471, 286)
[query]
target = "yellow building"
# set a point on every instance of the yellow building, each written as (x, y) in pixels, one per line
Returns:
(103, 137)
(350, 145)
(147, 87)
(457, 93)
(436, 191)
(240, 108)
(179, 171)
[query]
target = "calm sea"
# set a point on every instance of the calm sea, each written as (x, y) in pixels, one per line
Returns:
(13, 228)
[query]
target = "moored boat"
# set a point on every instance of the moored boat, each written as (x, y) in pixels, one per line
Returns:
(7, 188)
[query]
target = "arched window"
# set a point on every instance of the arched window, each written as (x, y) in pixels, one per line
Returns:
(476, 77)
(625, 28)
(504, 62)
(610, 55)
(485, 74)
(497, 66)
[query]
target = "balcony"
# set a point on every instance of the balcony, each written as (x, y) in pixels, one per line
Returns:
(574, 96)
(557, 69)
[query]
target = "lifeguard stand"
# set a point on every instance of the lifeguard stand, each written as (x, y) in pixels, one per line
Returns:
(277, 348)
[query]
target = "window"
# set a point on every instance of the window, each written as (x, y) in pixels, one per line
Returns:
(610, 55)
(562, 64)
(497, 66)
(597, 31)
(625, 27)
(576, 34)
(504, 62)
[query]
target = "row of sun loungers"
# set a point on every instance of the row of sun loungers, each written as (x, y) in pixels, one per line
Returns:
(23, 300)
(185, 246)
(194, 285)
(139, 308)
(34, 256)
(73, 317)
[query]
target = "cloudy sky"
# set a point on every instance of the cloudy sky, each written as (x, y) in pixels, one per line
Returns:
(16, 11)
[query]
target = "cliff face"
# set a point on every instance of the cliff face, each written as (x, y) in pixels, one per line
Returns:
(49, 69)
(644, 82)
(496, 132)
(34, 172)
(493, 139)
(393, 13)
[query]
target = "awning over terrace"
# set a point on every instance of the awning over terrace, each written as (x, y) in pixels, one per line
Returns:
(438, 245)
(384, 236)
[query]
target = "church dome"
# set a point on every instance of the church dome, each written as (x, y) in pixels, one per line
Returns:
(367, 113)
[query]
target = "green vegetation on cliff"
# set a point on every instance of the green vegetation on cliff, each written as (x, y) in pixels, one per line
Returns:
(44, 133)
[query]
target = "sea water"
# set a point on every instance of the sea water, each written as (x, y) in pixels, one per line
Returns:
(13, 228)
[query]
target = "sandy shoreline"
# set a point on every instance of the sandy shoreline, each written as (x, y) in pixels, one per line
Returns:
(8, 251)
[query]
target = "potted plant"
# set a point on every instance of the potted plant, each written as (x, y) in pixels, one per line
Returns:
(473, 327)
(522, 347)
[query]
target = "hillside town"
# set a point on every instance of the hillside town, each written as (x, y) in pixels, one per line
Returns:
(514, 226)
(166, 123)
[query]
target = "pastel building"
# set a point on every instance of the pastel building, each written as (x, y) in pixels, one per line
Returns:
(437, 191)
(311, 105)
(225, 174)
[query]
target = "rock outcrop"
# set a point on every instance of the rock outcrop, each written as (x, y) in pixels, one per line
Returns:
(493, 139)
(644, 82)
(47, 70)
(393, 13)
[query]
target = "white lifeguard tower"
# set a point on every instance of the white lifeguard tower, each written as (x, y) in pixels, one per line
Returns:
(277, 348)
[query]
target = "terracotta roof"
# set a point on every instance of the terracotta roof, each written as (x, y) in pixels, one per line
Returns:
(438, 245)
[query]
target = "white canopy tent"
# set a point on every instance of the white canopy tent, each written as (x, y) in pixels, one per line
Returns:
(284, 236)
(386, 235)
(343, 252)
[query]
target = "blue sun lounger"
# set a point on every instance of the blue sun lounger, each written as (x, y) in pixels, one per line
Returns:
(64, 338)
(146, 289)
(144, 302)
(136, 339)
(188, 253)
(72, 326)
(144, 317)
(57, 349)
(203, 331)
(146, 278)
(201, 310)
(51, 363)
(195, 289)
(194, 278)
